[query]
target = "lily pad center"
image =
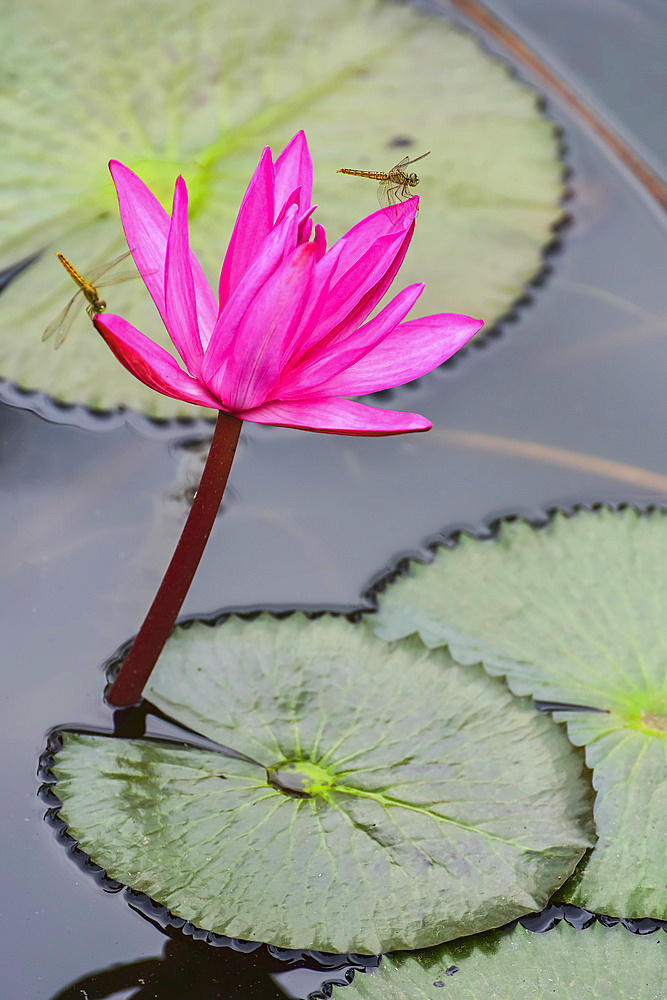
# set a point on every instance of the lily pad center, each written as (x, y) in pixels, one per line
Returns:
(300, 779)
(646, 711)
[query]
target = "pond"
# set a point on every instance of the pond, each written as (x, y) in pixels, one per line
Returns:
(91, 508)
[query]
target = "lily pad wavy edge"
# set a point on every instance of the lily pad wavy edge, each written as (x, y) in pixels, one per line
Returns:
(85, 417)
(553, 245)
(490, 530)
(156, 913)
(487, 530)
(353, 613)
(578, 922)
(161, 917)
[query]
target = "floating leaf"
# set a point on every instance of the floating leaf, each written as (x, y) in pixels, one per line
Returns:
(599, 962)
(389, 798)
(575, 613)
(200, 88)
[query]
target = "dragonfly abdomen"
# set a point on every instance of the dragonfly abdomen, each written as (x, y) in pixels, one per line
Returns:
(71, 270)
(375, 175)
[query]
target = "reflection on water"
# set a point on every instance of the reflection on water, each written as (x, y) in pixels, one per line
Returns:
(189, 967)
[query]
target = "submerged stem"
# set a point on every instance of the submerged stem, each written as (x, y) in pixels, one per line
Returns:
(137, 667)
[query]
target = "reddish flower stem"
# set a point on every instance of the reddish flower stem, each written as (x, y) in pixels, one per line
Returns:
(137, 667)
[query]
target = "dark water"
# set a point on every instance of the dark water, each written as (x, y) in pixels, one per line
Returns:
(88, 519)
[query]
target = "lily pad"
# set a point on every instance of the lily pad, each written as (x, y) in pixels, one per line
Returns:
(576, 614)
(388, 798)
(200, 88)
(599, 962)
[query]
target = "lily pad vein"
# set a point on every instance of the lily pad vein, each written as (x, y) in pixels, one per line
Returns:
(388, 803)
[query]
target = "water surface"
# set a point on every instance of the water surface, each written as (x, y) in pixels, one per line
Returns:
(89, 518)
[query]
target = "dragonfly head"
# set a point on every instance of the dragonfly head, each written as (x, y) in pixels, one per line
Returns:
(96, 307)
(413, 180)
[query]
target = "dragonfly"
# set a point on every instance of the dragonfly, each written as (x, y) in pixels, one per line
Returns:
(395, 184)
(86, 292)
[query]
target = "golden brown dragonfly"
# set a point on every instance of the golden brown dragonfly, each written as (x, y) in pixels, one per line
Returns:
(86, 292)
(395, 184)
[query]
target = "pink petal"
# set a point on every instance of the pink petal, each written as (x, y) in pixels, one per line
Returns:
(180, 301)
(254, 360)
(320, 240)
(294, 168)
(305, 228)
(313, 309)
(150, 363)
(271, 252)
(146, 226)
(392, 222)
(305, 221)
(323, 364)
(293, 199)
(355, 293)
(408, 352)
(336, 416)
(253, 223)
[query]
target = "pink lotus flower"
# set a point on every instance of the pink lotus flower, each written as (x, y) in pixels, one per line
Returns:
(288, 337)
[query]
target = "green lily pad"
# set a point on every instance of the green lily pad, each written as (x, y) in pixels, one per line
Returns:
(599, 962)
(389, 797)
(575, 613)
(200, 88)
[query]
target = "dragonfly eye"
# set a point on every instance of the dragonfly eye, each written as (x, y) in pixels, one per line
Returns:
(100, 306)
(413, 180)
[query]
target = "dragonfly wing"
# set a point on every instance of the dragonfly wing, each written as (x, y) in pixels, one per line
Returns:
(406, 161)
(94, 276)
(117, 279)
(60, 326)
(385, 195)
